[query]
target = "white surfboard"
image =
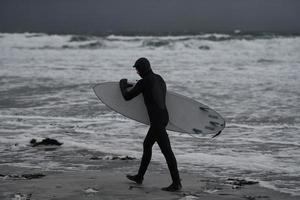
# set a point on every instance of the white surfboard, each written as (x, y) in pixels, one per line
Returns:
(185, 114)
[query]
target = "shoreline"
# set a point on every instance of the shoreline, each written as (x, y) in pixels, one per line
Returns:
(110, 183)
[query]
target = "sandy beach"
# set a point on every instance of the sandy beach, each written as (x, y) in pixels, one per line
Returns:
(109, 182)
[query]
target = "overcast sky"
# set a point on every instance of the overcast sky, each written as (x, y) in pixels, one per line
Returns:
(149, 16)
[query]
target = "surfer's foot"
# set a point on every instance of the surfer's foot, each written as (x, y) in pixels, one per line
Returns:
(173, 187)
(135, 178)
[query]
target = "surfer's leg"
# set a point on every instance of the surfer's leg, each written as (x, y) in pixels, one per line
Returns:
(147, 152)
(165, 146)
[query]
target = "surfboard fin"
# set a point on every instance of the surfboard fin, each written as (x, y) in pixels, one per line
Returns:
(204, 108)
(215, 123)
(217, 134)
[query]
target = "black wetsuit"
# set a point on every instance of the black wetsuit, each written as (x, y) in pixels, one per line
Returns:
(153, 88)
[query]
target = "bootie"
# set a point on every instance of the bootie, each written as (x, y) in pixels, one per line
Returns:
(135, 178)
(173, 187)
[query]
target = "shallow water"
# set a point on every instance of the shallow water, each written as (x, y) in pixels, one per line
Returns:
(252, 80)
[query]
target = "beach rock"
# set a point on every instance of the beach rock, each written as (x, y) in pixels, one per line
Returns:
(95, 158)
(33, 176)
(118, 158)
(23, 176)
(204, 47)
(112, 158)
(238, 183)
(45, 142)
(126, 158)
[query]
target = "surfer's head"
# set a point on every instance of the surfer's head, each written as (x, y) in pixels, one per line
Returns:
(143, 67)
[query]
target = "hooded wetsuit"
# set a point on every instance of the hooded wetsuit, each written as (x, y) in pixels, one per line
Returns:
(153, 88)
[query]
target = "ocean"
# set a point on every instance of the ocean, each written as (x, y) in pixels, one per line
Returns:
(252, 80)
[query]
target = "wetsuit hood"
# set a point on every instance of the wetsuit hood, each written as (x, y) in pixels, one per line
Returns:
(143, 67)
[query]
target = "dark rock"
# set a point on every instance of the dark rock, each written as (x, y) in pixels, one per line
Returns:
(112, 158)
(45, 142)
(23, 176)
(118, 158)
(126, 158)
(204, 47)
(95, 158)
(237, 183)
(33, 176)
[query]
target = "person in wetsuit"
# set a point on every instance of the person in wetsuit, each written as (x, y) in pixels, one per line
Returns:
(153, 88)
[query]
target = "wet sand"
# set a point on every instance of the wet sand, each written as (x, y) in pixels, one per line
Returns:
(110, 183)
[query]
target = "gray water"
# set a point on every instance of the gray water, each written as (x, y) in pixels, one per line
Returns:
(253, 81)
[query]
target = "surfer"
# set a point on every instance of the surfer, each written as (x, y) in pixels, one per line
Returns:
(153, 88)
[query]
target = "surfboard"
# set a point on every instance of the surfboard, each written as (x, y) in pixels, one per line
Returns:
(185, 114)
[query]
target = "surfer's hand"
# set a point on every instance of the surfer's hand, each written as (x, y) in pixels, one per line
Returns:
(129, 84)
(123, 81)
(123, 84)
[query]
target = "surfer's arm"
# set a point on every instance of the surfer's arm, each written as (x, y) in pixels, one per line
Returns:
(136, 90)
